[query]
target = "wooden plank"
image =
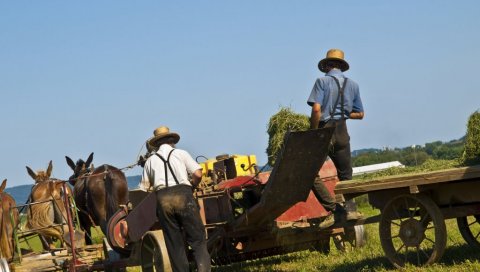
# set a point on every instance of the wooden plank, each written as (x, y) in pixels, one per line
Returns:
(46, 262)
(449, 175)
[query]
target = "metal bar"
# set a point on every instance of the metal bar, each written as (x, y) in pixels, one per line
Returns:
(34, 230)
(15, 234)
(34, 203)
(71, 230)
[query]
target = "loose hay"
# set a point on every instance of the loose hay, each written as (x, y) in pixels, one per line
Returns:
(471, 154)
(281, 122)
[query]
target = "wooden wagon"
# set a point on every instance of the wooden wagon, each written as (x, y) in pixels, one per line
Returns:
(414, 208)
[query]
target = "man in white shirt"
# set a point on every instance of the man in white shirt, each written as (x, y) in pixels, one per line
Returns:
(166, 172)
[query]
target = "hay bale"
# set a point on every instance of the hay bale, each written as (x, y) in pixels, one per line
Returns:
(281, 122)
(471, 154)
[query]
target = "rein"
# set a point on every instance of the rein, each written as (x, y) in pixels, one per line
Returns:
(89, 173)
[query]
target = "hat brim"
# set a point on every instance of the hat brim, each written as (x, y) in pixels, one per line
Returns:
(155, 141)
(344, 65)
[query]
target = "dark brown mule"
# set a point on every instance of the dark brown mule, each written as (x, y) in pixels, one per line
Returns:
(43, 215)
(98, 192)
(7, 204)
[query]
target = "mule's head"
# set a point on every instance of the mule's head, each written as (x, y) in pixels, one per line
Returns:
(80, 168)
(40, 175)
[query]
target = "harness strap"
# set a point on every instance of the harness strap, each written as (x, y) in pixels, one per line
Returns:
(165, 164)
(340, 96)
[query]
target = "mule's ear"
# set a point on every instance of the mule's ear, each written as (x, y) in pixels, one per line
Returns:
(70, 163)
(49, 169)
(4, 184)
(89, 160)
(31, 173)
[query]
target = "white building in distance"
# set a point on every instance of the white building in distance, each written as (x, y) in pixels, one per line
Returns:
(375, 167)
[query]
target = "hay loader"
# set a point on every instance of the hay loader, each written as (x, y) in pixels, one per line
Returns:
(247, 214)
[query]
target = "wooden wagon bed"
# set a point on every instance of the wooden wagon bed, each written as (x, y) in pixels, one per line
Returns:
(414, 207)
(411, 181)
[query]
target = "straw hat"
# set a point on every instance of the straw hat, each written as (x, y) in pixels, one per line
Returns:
(162, 133)
(333, 54)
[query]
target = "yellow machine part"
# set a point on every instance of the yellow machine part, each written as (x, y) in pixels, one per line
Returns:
(244, 165)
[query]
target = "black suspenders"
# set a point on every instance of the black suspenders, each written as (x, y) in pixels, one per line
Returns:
(339, 96)
(165, 163)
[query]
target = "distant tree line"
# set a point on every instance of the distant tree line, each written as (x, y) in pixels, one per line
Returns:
(466, 150)
(411, 156)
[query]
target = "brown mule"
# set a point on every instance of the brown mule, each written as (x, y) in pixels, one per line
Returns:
(98, 193)
(7, 208)
(43, 216)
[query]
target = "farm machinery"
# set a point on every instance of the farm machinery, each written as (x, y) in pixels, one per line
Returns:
(247, 214)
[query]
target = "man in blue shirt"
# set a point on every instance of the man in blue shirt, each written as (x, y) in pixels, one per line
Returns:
(334, 99)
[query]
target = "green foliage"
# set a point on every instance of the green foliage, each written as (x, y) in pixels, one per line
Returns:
(427, 166)
(472, 140)
(281, 122)
(412, 156)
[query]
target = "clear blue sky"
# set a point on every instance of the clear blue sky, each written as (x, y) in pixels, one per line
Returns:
(83, 76)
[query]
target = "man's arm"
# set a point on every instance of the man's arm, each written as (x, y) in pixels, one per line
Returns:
(145, 183)
(315, 116)
(196, 177)
(357, 115)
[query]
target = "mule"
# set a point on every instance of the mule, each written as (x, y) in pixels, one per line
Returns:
(7, 208)
(42, 216)
(98, 192)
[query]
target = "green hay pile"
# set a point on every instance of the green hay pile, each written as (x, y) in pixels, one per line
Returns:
(471, 154)
(281, 122)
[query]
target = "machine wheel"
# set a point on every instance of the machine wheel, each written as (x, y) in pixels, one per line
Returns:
(154, 253)
(412, 230)
(351, 238)
(115, 237)
(469, 227)
(4, 265)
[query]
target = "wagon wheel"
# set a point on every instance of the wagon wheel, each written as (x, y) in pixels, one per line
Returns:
(351, 238)
(412, 230)
(154, 254)
(469, 227)
(4, 265)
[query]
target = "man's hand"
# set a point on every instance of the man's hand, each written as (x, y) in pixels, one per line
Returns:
(357, 115)
(196, 177)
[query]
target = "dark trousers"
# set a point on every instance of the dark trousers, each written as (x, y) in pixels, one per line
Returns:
(178, 214)
(339, 152)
